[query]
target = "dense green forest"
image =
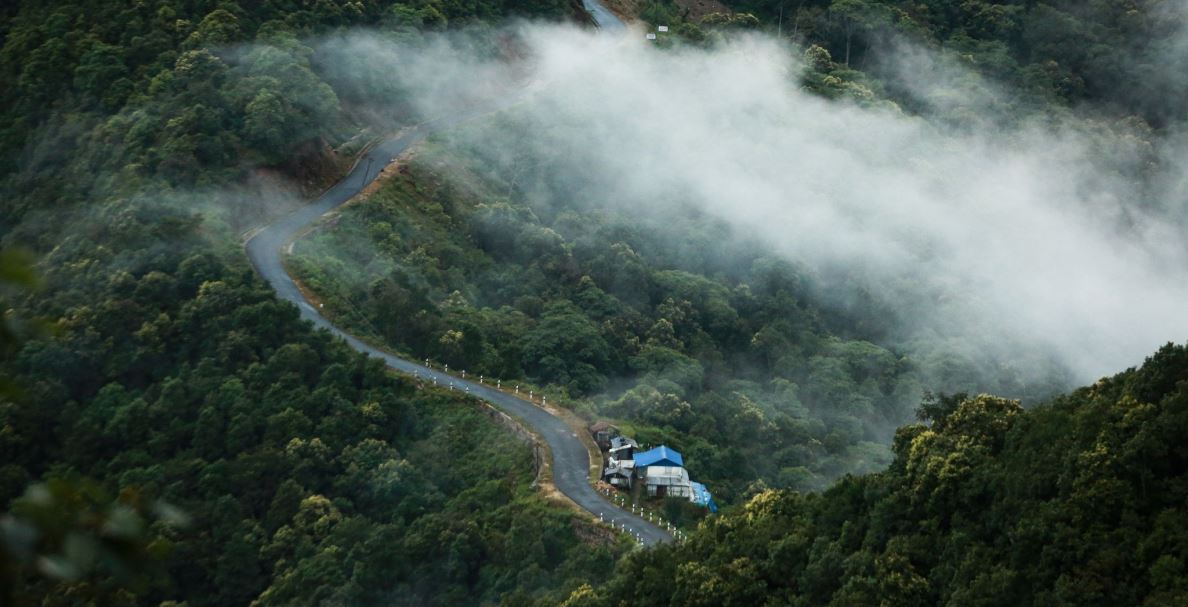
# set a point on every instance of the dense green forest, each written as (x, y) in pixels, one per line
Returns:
(306, 473)
(171, 434)
(1120, 56)
(1076, 502)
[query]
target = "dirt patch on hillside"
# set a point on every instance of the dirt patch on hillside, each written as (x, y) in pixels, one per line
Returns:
(694, 10)
(398, 166)
(627, 10)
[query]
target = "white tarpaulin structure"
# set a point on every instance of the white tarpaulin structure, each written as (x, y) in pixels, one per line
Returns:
(667, 481)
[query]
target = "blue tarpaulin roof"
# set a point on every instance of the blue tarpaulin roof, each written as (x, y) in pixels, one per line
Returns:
(660, 456)
(702, 497)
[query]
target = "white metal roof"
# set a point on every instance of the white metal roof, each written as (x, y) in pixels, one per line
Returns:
(667, 475)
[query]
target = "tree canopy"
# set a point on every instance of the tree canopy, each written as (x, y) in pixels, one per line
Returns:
(1079, 501)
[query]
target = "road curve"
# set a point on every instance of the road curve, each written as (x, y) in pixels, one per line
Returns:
(571, 461)
(606, 20)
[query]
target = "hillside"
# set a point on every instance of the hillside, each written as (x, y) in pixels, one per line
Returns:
(1079, 501)
(788, 242)
(679, 327)
(169, 431)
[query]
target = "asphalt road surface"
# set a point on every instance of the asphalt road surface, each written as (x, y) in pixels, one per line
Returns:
(606, 20)
(571, 461)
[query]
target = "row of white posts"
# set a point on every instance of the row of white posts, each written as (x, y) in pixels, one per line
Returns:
(677, 533)
(544, 400)
(652, 517)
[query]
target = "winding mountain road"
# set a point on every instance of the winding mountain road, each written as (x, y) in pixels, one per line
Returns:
(606, 20)
(571, 460)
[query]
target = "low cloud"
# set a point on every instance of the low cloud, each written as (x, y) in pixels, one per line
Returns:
(1046, 238)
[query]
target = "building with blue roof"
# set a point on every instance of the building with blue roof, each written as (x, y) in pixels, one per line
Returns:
(660, 456)
(661, 470)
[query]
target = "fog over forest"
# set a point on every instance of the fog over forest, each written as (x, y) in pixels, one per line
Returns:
(1059, 233)
(343, 303)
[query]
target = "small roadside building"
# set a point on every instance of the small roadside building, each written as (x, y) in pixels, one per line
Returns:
(619, 473)
(662, 471)
(667, 481)
(622, 448)
(603, 432)
(660, 456)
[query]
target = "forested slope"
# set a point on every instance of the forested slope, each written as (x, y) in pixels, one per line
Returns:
(306, 473)
(501, 262)
(1080, 501)
(176, 433)
(179, 437)
(1124, 58)
(680, 328)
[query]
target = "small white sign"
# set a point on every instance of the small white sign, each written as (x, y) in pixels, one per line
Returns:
(663, 28)
(651, 36)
